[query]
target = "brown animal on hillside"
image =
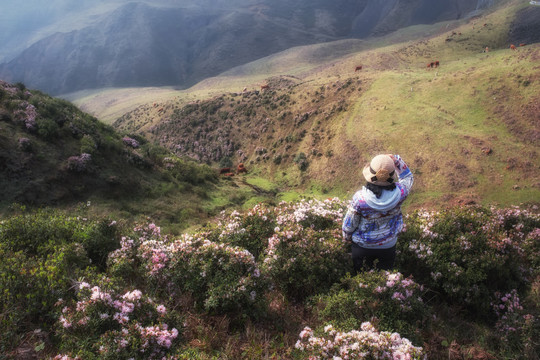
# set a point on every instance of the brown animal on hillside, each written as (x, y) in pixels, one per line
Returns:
(522, 44)
(513, 47)
(487, 150)
(358, 68)
(436, 64)
(225, 170)
(241, 169)
(430, 65)
(228, 174)
(265, 87)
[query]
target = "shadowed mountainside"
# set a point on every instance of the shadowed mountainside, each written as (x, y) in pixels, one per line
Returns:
(145, 44)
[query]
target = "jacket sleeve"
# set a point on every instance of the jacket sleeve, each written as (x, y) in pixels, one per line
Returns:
(350, 223)
(405, 175)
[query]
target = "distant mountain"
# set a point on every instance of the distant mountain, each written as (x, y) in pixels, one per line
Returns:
(180, 43)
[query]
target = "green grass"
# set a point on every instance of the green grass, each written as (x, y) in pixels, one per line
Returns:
(263, 183)
(438, 120)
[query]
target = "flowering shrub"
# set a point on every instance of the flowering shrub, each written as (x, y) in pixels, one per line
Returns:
(25, 144)
(113, 326)
(130, 142)
(79, 163)
(306, 260)
(250, 230)
(126, 262)
(220, 277)
(515, 325)
(366, 343)
(316, 214)
(394, 301)
(303, 262)
(467, 254)
(27, 115)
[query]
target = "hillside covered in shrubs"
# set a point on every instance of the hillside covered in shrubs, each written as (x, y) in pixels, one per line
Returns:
(272, 282)
(51, 153)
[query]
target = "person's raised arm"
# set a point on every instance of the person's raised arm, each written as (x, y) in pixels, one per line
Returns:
(405, 175)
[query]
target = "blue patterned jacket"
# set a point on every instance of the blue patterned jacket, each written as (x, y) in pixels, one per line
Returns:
(376, 223)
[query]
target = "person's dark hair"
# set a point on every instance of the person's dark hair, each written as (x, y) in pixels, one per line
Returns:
(378, 189)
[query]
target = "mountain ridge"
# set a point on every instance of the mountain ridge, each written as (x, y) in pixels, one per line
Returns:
(139, 44)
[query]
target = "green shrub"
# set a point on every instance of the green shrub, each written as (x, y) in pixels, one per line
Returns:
(190, 171)
(37, 233)
(47, 128)
(100, 239)
(225, 162)
(222, 279)
(88, 145)
(249, 230)
(394, 301)
(30, 286)
(467, 254)
(301, 160)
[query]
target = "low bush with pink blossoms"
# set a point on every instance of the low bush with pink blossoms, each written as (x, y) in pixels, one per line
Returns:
(315, 214)
(390, 299)
(205, 295)
(221, 278)
(306, 254)
(365, 343)
(130, 142)
(249, 230)
(25, 144)
(27, 114)
(103, 324)
(79, 163)
(519, 329)
(468, 254)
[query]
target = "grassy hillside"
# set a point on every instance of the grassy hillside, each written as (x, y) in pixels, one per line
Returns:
(52, 154)
(469, 128)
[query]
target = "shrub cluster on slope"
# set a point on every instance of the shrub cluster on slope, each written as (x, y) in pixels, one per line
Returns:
(157, 296)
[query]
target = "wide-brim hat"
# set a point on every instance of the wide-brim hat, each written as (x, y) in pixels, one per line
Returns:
(381, 171)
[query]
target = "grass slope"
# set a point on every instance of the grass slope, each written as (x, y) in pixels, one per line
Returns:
(469, 129)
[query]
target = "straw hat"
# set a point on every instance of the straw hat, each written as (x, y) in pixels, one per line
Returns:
(381, 171)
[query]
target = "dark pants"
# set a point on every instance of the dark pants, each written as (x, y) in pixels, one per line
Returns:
(367, 259)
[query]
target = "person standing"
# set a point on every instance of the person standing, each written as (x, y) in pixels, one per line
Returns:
(374, 219)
